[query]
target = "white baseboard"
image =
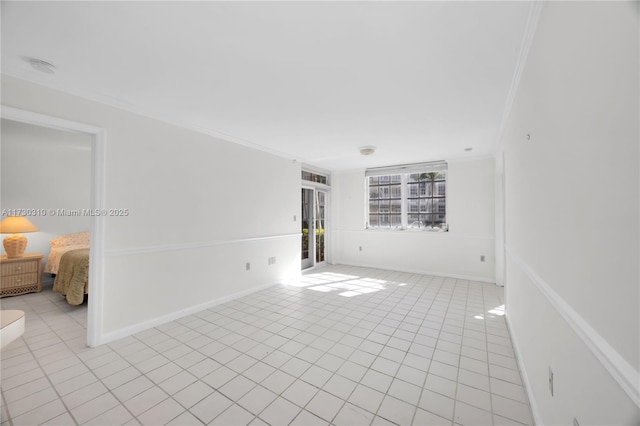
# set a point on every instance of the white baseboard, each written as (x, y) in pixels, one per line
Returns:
(418, 271)
(137, 328)
(537, 419)
(622, 372)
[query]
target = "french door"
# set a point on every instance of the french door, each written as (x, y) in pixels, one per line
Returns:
(314, 203)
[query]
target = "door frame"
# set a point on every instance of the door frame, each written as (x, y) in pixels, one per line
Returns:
(311, 235)
(95, 317)
(327, 218)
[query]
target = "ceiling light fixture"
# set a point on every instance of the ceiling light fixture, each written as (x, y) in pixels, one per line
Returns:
(367, 150)
(40, 65)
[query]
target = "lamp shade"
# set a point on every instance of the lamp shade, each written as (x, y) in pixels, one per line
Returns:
(15, 244)
(16, 224)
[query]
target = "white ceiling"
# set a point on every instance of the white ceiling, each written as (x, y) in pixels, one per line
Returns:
(313, 81)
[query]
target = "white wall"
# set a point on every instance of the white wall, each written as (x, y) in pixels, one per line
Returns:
(44, 169)
(470, 214)
(572, 214)
(200, 208)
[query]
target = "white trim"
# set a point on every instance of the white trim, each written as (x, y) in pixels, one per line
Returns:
(307, 184)
(419, 271)
(191, 246)
(42, 120)
(317, 170)
(530, 29)
(447, 234)
(627, 377)
(96, 228)
(403, 169)
(500, 231)
(142, 326)
(537, 418)
(165, 118)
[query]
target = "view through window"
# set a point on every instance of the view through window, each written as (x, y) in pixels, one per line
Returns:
(414, 200)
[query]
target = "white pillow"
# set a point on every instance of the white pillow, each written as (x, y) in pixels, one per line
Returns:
(74, 239)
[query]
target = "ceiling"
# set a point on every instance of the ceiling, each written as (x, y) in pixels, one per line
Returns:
(313, 81)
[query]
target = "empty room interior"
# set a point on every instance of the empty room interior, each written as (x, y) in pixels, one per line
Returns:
(320, 213)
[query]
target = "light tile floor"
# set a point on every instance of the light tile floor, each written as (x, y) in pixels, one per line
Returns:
(345, 346)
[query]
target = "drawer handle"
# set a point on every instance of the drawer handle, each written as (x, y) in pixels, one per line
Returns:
(18, 280)
(19, 268)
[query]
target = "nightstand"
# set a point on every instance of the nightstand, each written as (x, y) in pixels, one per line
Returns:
(20, 275)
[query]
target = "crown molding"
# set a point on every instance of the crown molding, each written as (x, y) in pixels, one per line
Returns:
(530, 30)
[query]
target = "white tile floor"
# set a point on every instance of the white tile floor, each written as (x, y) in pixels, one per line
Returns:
(345, 346)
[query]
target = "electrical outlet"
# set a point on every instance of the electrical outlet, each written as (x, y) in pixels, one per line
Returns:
(295, 217)
(482, 258)
(248, 265)
(271, 260)
(551, 381)
(360, 248)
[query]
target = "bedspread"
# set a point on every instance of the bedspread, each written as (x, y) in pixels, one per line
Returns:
(56, 253)
(72, 277)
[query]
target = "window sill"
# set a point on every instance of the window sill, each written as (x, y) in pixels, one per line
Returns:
(412, 230)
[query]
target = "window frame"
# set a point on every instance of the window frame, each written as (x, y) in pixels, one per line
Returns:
(404, 172)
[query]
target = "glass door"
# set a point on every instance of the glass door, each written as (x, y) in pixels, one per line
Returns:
(307, 228)
(314, 203)
(319, 204)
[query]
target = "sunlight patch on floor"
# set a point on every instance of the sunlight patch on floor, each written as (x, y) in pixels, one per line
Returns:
(345, 285)
(497, 311)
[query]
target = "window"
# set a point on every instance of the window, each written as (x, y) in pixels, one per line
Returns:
(408, 197)
(385, 201)
(314, 177)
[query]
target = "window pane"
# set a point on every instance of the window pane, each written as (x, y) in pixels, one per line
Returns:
(314, 177)
(425, 200)
(421, 189)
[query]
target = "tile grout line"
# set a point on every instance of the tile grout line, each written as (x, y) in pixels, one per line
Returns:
(315, 324)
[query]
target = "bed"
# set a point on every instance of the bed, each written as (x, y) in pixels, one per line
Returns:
(68, 260)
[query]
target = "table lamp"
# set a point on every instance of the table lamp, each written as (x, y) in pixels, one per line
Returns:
(15, 244)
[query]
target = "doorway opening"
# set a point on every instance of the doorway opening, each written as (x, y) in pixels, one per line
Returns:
(97, 222)
(314, 220)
